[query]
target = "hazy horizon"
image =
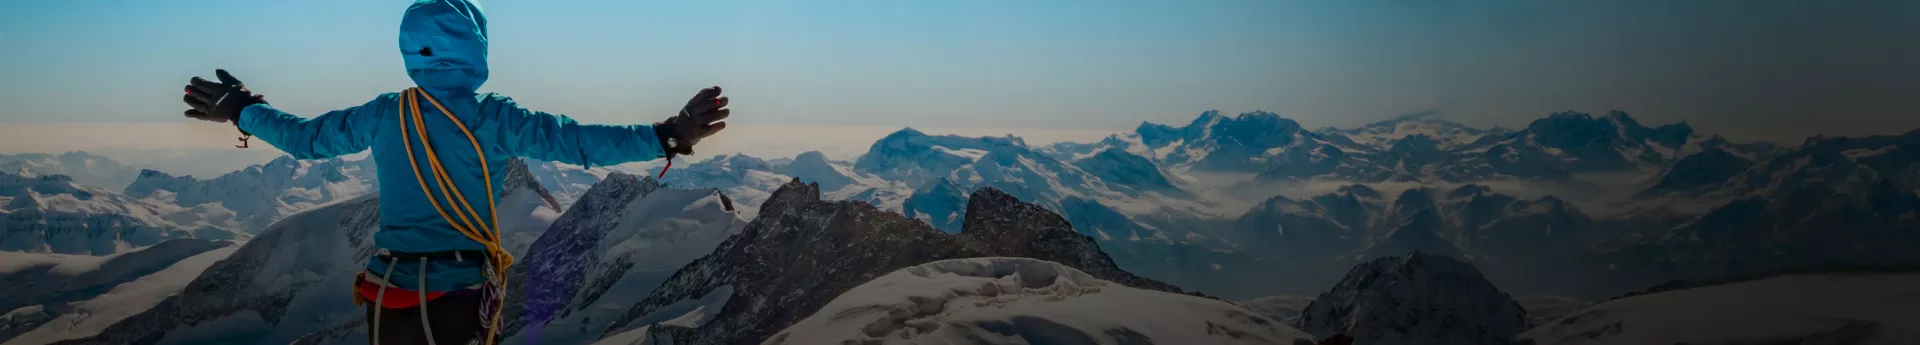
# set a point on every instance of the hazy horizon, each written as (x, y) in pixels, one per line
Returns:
(1770, 70)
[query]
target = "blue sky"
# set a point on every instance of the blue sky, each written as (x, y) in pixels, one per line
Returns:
(1756, 69)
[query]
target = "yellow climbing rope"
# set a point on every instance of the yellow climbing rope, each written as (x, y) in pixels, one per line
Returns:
(468, 223)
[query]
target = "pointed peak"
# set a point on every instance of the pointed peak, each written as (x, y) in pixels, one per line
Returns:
(811, 156)
(1360, 190)
(1553, 201)
(1210, 114)
(907, 132)
(1617, 114)
(990, 194)
(1206, 119)
(1415, 194)
(1277, 199)
(793, 192)
(1469, 189)
(26, 200)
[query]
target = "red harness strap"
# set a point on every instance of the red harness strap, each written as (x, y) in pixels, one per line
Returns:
(396, 298)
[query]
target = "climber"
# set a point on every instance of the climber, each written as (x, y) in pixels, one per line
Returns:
(441, 149)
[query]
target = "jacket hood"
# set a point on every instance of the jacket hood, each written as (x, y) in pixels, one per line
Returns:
(444, 44)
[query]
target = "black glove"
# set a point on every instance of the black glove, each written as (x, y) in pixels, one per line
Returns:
(219, 102)
(698, 120)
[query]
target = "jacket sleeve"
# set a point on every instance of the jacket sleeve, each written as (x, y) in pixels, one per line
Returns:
(557, 138)
(335, 133)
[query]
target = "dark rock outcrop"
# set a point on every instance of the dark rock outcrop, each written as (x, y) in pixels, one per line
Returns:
(801, 252)
(1415, 299)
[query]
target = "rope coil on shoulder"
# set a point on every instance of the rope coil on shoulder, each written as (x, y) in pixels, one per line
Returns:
(469, 223)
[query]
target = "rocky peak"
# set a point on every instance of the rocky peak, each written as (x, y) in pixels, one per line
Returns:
(1004, 224)
(1573, 129)
(520, 178)
(801, 252)
(790, 194)
(1415, 299)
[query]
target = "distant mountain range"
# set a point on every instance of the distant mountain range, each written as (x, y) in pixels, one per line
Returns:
(1238, 207)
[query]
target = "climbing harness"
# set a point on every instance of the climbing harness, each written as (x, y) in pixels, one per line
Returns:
(468, 222)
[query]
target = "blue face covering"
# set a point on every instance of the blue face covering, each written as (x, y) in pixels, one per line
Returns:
(444, 44)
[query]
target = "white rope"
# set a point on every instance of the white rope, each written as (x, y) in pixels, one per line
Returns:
(424, 325)
(378, 298)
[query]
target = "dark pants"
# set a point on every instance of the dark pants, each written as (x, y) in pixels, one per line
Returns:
(455, 319)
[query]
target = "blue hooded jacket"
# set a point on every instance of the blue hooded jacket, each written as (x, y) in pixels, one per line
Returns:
(444, 44)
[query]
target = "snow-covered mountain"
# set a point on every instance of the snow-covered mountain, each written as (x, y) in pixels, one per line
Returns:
(1419, 147)
(290, 281)
(624, 237)
(1415, 299)
(524, 191)
(1832, 202)
(1024, 301)
(940, 203)
(913, 157)
(1830, 308)
(1283, 308)
(1129, 171)
(1260, 142)
(83, 167)
(58, 296)
(1243, 206)
(1387, 135)
(750, 180)
(1566, 143)
(1542, 309)
(812, 166)
(1117, 196)
(565, 182)
(54, 214)
(800, 252)
(1312, 238)
(262, 194)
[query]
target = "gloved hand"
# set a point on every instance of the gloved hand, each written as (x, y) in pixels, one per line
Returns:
(219, 102)
(698, 120)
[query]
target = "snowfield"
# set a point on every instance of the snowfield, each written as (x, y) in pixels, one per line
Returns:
(1024, 301)
(1868, 309)
(89, 317)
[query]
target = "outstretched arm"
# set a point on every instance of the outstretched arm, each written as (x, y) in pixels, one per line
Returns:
(557, 138)
(335, 133)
